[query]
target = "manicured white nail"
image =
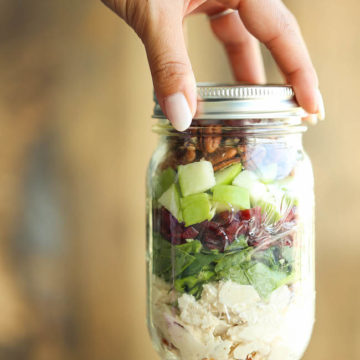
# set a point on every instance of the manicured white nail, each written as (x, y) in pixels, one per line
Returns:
(321, 111)
(178, 111)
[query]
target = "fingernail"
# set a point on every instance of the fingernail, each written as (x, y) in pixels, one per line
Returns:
(312, 119)
(321, 111)
(178, 111)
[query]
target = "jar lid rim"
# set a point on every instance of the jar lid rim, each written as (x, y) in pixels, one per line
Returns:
(243, 101)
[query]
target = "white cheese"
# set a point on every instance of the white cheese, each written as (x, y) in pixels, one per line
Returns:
(231, 321)
(237, 297)
(192, 313)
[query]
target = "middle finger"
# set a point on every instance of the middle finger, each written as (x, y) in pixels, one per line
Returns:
(242, 48)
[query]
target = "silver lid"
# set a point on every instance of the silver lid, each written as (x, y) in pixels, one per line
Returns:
(222, 101)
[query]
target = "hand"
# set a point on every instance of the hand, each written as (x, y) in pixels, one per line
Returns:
(159, 24)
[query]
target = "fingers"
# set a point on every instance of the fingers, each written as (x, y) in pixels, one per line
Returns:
(241, 47)
(272, 23)
(173, 78)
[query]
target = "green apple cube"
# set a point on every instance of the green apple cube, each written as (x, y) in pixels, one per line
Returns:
(196, 208)
(276, 203)
(248, 179)
(283, 199)
(237, 197)
(290, 187)
(196, 177)
(270, 211)
(286, 184)
(226, 176)
(163, 181)
(219, 208)
(268, 173)
(170, 199)
(290, 199)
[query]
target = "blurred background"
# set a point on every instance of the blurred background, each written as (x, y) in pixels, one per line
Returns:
(75, 140)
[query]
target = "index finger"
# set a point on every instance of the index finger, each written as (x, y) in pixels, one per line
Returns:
(275, 26)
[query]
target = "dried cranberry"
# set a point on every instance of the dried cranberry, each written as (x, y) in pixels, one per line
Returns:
(288, 240)
(232, 230)
(226, 217)
(292, 215)
(170, 228)
(190, 233)
(214, 236)
(245, 214)
(262, 239)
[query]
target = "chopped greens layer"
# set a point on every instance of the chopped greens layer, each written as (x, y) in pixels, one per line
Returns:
(190, 265)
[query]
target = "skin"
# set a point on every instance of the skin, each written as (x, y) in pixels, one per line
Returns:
(159, 24)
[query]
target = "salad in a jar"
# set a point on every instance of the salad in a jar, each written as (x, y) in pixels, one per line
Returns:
(229, 277)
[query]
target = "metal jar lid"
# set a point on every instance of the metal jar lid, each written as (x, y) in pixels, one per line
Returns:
(223, 101)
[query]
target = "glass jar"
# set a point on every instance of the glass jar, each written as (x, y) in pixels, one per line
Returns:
(230, 226)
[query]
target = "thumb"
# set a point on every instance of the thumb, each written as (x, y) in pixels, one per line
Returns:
(171, 71)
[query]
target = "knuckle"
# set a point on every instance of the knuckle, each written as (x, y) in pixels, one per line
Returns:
(287, 22)
(169, 70)
(312, 74)
(286, 26)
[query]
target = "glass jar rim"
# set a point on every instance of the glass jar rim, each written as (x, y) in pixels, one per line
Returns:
(247, 127)
(243, 101)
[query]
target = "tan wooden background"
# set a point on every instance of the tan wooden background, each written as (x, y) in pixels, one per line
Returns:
(76, 95)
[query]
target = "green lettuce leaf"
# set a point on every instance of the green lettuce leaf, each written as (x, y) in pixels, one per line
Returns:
(238, 244)
(266, 280)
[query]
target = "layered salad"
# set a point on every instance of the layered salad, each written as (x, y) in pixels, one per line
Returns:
(230, 276)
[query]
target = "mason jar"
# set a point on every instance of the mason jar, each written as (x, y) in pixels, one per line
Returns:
(230, 229)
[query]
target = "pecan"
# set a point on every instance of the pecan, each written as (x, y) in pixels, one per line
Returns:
(190, 154)
(231, 141)
(226, 163)
(211, 143)
(221, 154)
(170, 161)
(242, 150)
(210, 138)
